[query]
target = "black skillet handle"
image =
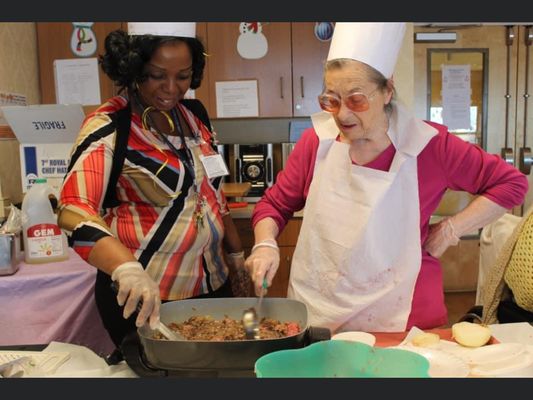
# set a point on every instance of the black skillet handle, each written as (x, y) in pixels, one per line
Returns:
(132, 351)
(317, 334)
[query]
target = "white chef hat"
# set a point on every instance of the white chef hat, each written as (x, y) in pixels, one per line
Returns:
(375, 44)
(181, 29)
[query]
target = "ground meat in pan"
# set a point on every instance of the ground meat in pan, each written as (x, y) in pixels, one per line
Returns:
(208, 328)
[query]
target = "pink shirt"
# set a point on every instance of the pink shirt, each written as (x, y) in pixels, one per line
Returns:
(447, 162)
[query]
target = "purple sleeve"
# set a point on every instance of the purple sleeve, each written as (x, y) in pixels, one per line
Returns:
(468, 167)
(289, 192)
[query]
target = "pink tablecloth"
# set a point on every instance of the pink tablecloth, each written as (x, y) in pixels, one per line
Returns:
(48, 302)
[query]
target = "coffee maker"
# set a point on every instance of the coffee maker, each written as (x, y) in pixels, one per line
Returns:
(253, 163)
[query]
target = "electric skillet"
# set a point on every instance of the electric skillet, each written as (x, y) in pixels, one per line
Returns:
(154, 357)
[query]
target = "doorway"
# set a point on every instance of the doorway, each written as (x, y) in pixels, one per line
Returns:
(497, 61)
(501, 70)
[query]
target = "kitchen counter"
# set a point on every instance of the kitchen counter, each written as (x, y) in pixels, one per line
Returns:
(85, 363)
(246, 212)
(234, 189)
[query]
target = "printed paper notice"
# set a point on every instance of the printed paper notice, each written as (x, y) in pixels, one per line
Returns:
(456, 91)
(77, 81)
(237, 99)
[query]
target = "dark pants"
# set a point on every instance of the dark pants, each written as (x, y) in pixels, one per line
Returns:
(111, 312)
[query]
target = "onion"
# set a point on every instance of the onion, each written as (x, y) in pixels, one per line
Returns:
(470, 335)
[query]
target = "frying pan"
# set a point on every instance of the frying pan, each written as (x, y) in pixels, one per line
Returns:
(158, 357)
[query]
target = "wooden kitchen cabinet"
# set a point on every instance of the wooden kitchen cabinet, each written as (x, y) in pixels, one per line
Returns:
(272, 71)
(289, 76)
(308, 58)
(53, 42)
(286, 242)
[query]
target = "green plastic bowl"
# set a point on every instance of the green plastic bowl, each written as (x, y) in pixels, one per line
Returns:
(342, 359)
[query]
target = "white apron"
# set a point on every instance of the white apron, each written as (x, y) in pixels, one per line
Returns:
(358, 253)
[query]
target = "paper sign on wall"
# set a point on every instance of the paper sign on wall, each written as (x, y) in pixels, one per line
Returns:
(77, 81)
(237, 99)
(456, 92)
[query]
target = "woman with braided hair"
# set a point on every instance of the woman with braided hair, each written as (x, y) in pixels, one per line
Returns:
(163, 230)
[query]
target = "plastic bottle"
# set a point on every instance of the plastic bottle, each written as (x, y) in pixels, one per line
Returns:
(43, 239)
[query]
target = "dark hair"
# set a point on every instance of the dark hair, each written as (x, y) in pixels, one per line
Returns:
(125, 57)
(373, 76)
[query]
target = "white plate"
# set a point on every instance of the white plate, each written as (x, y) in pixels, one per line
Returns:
(354, 336)
(441, 364)
(504, 367)
(492, 353)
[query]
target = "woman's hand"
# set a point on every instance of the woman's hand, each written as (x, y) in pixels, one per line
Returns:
(441, 236)
(136, 285)
(263, 263)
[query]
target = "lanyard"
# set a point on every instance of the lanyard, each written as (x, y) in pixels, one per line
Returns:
(186, 159)
(188, 162)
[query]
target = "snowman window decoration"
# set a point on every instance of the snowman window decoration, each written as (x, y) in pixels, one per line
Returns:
(251, 44)
(83, 40)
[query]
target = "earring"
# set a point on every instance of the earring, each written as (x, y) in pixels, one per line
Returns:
(144, 118)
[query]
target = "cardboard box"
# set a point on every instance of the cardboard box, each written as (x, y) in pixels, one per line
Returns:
(46, 134)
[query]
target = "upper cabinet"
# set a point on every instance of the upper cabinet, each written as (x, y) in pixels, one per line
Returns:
(225, 43)
(286, 59)
(54, 43)
(54, 40)
(309, 54)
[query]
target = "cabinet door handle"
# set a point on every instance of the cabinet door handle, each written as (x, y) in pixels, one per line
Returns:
(281, 87)
(525, 160)
(507, 155)
(302, 86)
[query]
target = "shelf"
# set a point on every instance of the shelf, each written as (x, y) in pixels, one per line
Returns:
(236, 189)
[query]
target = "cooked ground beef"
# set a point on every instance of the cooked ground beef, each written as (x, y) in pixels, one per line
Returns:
(207, 328)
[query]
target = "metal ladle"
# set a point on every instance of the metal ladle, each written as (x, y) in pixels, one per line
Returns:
(250, 317)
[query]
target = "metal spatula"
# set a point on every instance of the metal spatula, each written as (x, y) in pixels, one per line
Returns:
(250, 317)
(161, 327)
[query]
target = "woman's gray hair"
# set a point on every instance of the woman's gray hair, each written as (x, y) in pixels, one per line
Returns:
(373, 76)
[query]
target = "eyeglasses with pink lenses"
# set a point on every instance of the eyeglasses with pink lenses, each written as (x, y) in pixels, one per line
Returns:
(356, 101)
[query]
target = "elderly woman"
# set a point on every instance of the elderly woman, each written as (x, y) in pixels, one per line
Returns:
(370, 175)
(164, 234)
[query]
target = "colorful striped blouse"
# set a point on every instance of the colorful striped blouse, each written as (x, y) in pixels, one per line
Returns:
(159, 202)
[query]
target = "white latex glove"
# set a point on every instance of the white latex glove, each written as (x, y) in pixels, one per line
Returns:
(441, 236)
(136, 285)
(262, 263)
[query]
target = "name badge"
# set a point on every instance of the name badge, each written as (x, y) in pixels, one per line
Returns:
(214, 166)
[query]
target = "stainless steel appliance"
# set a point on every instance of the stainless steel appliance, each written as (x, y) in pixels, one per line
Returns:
(253, 163)
(286, 149)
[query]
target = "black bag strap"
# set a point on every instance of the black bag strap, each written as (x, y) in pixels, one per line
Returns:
(123, 121)
(198, 109)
